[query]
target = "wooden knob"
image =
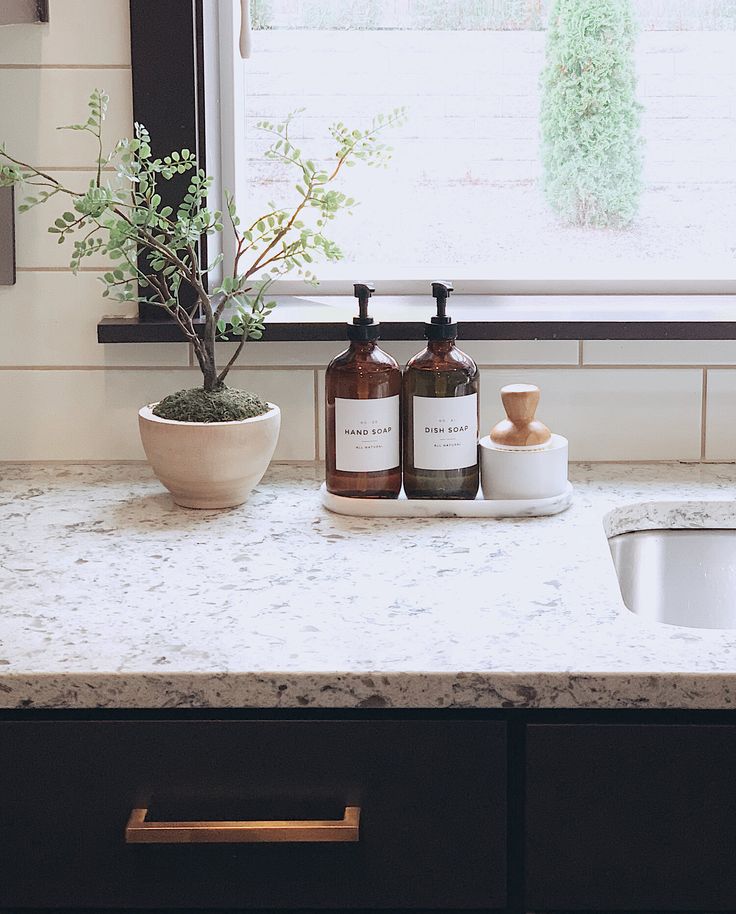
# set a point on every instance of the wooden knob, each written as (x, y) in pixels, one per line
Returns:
(520, 429)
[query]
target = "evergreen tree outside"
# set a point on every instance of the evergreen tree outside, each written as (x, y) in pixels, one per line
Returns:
(590, 119)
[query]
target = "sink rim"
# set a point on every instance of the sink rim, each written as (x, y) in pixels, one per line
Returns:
(683, 514)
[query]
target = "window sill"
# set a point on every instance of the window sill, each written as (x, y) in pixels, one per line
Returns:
(480, 317)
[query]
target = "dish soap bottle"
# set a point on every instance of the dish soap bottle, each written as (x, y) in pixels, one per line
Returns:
(441, 402)
(362, 395)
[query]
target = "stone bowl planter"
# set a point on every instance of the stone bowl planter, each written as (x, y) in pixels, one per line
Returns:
(209, 464)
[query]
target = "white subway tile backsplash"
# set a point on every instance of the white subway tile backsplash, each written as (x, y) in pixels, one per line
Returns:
(276, 355)
(36, 101)
(619, 414)
(528, 352)
(485, 352)
(36, 247)
(92, 415)
(659, 352)
(720, 430)
(500, 352)
(65, 415)
(520, 352)
(616, 414)
(50, 319)
(79, 32)
(293, 391)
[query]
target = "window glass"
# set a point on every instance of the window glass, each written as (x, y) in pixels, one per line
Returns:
(561, 138)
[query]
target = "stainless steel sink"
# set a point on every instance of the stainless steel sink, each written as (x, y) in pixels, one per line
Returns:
(681, 577)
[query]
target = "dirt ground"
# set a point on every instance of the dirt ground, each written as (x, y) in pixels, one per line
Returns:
(464, 186)
(686, 228)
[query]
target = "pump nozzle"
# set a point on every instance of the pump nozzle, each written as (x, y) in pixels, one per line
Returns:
(363, 326)
(363, 291)
(441, 327)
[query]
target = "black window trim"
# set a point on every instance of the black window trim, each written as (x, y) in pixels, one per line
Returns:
(24, 12)
(167, 60)
(169, 97)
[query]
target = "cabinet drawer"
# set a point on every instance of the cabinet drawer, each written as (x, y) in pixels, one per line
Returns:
(635, 818)
(432, 799)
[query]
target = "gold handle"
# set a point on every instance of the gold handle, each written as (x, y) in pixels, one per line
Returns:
(139, 831)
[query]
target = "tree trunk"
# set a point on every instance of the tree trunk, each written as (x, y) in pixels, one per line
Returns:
(205, 351)
(209, 374)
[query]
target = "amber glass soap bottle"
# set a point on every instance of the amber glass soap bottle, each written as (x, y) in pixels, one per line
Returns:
(441, 402)
(362, 394)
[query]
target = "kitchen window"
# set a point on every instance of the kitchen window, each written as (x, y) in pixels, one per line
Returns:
(465, 193)
(464, 198)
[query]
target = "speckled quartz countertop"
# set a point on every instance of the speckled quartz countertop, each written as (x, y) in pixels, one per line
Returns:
(112, 597)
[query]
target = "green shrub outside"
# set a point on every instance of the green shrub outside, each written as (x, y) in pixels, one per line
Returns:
(590, 118)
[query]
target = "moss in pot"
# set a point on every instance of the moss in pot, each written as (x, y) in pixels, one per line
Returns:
(199, 405)
(210, 445)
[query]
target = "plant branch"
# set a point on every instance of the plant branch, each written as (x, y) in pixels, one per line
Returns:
(156, 244)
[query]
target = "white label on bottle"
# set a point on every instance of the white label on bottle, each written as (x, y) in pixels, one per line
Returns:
(367, 434)
(445, 432)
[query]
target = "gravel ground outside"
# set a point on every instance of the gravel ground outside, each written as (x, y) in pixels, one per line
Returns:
(464, 188)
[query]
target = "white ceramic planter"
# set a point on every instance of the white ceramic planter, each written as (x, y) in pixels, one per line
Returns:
(209, 464)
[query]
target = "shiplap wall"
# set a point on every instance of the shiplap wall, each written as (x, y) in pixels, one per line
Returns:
(65, 397)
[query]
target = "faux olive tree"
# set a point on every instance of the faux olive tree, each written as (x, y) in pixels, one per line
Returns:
(591, 145)
(154, 248)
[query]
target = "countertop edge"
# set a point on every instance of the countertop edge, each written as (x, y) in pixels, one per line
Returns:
(326, 690)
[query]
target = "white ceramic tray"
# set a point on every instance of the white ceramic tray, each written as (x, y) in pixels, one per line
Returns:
(420, 507)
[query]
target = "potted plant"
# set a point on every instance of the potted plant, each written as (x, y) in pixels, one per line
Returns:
(210, 445)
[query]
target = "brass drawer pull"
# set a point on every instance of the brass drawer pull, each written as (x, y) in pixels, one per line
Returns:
(139, 831)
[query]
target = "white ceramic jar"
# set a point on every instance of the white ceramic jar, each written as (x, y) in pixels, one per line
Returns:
(523, 472)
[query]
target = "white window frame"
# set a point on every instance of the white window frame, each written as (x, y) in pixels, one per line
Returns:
(225, 129)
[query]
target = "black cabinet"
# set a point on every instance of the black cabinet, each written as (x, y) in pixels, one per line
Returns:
(432, 796)
(630, 818)
(482, 811)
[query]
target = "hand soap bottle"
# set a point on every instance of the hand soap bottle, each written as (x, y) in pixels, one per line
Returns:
(441, 401)
(362, 396)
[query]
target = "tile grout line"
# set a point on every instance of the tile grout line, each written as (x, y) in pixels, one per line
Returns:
(115, 461)
(316, 414)
(111, 461)
(65, 66)
(704, 415)
(151, 367)
(100, 269)
(107, 169)
(317, 367)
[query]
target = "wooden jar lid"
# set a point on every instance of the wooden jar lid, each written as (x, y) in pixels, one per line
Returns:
(520, 428)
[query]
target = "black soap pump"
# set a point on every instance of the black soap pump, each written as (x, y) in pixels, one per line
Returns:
(363, 327)
(441, 405)
(441, 326)
(362, 396)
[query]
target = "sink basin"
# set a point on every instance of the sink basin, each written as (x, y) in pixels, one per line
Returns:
(680, 577)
